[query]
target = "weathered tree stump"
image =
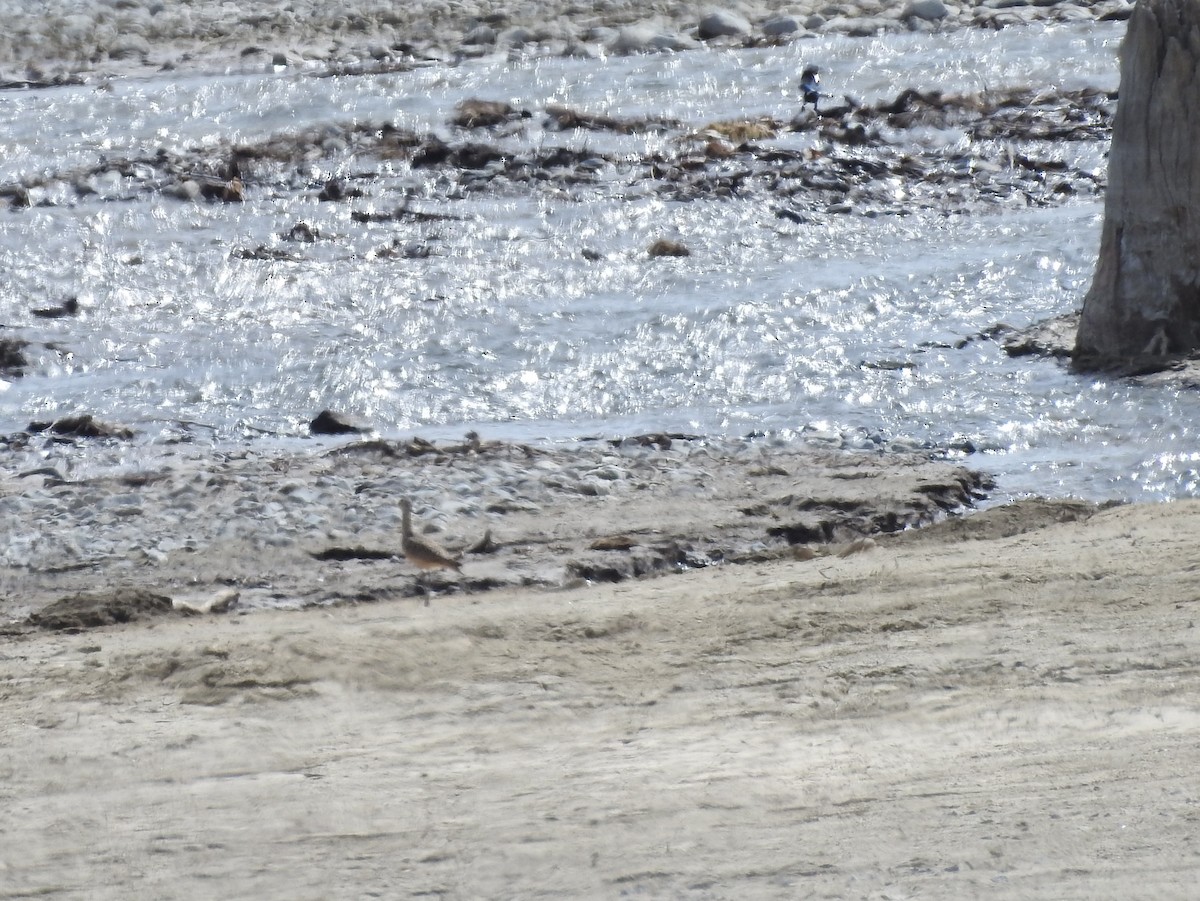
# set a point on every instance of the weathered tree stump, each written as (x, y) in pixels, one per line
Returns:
(1145, 296)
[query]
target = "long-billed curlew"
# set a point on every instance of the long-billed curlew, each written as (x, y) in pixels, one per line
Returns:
(421, 552)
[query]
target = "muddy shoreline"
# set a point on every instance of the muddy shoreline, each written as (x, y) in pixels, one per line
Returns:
(997, 711)
(294, 530)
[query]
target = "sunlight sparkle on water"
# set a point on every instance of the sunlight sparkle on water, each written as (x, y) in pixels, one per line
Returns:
(842, 324)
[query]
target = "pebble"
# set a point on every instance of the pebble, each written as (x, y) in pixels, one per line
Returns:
(930, 10)
(608, 474)
(723, 23)
(781, 25)
(480, 34)
(592, 487)
(517, 37)
(185, 190)
(127, 46)
(202, 34)
(526, 497)
(197, 503)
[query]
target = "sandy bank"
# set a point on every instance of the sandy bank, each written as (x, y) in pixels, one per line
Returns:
(942, 716)
(281, 528)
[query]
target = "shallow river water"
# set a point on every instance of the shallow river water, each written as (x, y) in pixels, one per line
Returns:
(840, 328)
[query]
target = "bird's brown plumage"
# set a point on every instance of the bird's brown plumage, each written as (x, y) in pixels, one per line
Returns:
(421, 552)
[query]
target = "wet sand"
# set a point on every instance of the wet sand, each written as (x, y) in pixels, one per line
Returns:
(995, 705)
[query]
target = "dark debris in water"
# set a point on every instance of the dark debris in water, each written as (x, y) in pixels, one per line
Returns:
(667, 247)
(69, 307)
(36, 82)
(403, 213)
(561, 118)
(331, 422)
(83, 426)
(12, 356)
(854, 167)
(475, 113)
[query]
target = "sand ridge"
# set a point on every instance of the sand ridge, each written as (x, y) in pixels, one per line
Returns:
(1008, 716)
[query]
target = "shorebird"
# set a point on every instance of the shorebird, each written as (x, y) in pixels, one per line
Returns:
(421, 552)
(810, 87)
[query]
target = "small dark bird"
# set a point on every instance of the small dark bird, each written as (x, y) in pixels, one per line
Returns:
(810, 87)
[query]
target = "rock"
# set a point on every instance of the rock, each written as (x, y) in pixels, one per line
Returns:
(739, 131)
(517, 36)
(210, 187)
(84, 426)
(815, 22)
(601, 34)
(328, 422)
(188, 189)
(986, 17)
(90, 610)
(485, 545)
(673, 42)
(1113, 11)
(129, 46)
(608, 473)
(602, 566)
(220, 602)
(1054, 337)
(632, 39)
(1066, 12)
(645, 39)
(480, 36)
(19, 198)
(659, 440)
(863, 27)
(12, 356)
(929, 10)
(581, 50)
(591, 487)
(336, 189)
(723, 23)
(301, 232)
(780, 26)
(665, 247)
(613, 543)
(475, 113)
